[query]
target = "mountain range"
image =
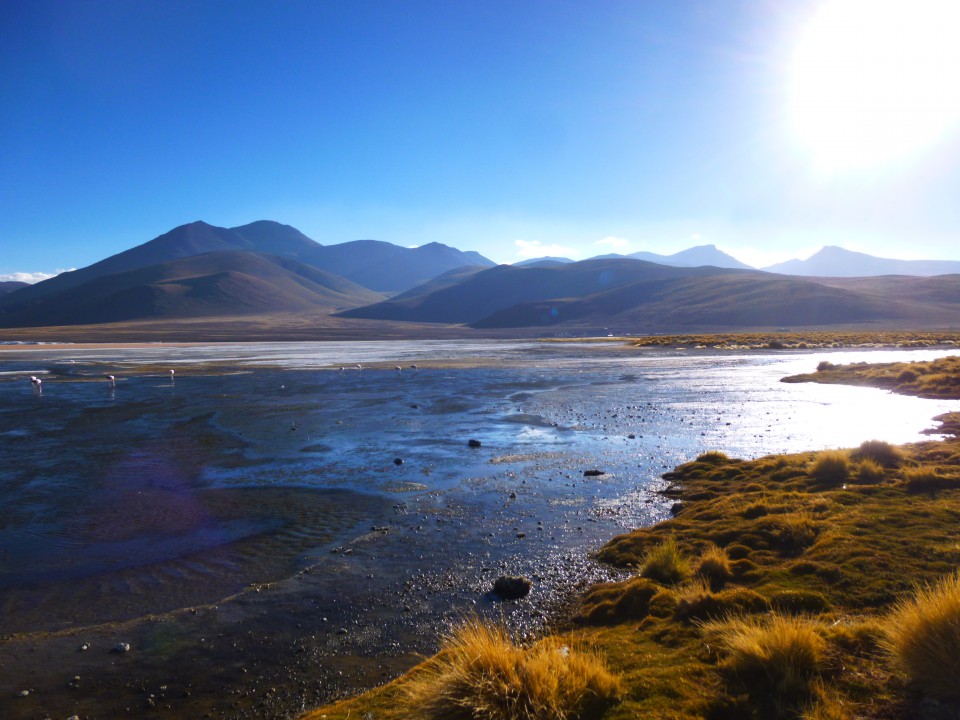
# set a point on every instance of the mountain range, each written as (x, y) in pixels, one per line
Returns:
(691, 257)
(267, 269)
(637, 296)
(833, 261)
(8, 286)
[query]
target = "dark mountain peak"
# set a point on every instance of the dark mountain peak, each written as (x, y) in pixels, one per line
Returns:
(274, 238)
(9, 286)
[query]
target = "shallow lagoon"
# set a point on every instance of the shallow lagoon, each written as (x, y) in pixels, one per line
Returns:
(244, 525)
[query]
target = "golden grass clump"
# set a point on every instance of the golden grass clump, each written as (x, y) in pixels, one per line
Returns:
(777, 654)
(831, 467)
(923, 635)
(665, 563)
(869, 472)
(714, 566)
(926, 479)
(714, 457)
(481, 673)
(696, 601)
(880, 452)
(795, 532)
(615, 602)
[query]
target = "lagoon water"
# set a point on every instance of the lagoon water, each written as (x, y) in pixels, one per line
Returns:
(264, 510)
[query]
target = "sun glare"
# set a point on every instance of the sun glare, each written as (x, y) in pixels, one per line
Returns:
(876, 81)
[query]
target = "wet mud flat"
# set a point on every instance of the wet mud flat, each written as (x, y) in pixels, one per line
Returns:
(253, 539)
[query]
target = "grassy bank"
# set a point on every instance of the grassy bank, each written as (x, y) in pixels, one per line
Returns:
(814, 586)
(930, 379)
(786, 340)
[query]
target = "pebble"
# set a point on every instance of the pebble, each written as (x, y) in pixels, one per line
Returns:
(120, 648)
(85, 646)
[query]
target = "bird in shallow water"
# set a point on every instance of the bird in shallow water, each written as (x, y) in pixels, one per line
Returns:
(37, 383)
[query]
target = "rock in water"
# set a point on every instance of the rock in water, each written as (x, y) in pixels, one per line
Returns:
(120, 648)
(474, 443)
(512, 588)
(593, 473)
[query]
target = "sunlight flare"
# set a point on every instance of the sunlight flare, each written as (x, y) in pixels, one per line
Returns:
(874, 82)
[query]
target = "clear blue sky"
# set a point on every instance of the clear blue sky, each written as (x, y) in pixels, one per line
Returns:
(513, 128)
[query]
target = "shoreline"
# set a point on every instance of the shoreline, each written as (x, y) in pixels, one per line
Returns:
(496, 479)
(707, 490)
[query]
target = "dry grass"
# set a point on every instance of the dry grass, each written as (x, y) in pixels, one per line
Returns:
(779, 655)
(481, 673)
(938, 378)
(795, 532)
(927, 479)
(714, 566)
(696, 601)
(869, 472)
(923, 635)
(714, 457)
(665, 563)
(831, 467)
(878, 451)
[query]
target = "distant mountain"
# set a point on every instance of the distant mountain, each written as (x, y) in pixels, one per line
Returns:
(390, 268)
(698, 256)
(8, 286)
(222, 283)
(645, 297)
(273, 238)
(184, 241)
(543, 261)
(505, 286)
(380, 266)
(832, 261)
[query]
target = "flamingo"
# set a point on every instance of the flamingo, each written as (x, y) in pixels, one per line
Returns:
(415, 368)
(112, 379)
(359, 366)
(37, 383)
(398, 368)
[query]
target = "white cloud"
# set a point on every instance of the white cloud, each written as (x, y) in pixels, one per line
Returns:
(31, 278)
(528, 249)
(614, 242)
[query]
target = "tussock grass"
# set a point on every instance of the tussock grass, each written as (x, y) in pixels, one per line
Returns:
(665, 563)
(880, 452)
(696, 601)
(714, 567)
(795, 532)
(779, 655)
(481, 673)
(927, 479)
(615, 602)
(923, 635)
(869, 472)
(714, 457)
(799, 601)
(831, 467)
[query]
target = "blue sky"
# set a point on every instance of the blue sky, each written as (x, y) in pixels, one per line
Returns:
(512, 128)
